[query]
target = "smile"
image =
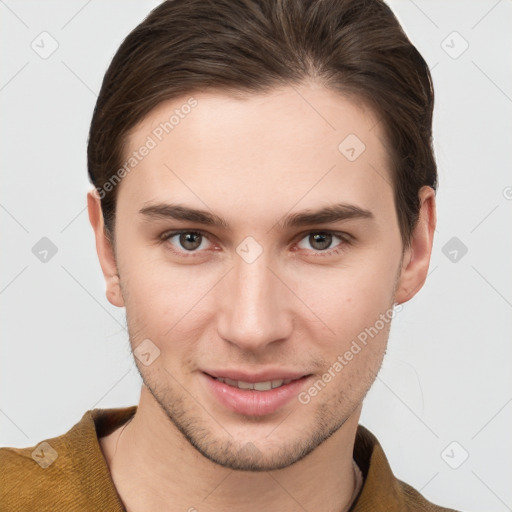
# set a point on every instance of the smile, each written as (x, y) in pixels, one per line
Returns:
(257, 398)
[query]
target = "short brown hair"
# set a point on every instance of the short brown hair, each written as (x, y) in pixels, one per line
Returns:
(356, 47)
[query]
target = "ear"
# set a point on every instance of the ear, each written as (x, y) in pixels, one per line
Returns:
(417, 257)
(104, 249)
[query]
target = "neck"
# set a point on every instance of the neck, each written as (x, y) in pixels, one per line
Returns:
(154, 467)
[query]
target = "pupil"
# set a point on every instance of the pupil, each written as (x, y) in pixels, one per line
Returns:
(186, 240)
(326, 240)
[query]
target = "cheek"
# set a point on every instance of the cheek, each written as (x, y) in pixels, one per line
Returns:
(152, 285)
(359, 311)
(163, 303)
(349, 299)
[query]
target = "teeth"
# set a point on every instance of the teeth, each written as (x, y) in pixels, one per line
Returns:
(257, 386)
(263, 386)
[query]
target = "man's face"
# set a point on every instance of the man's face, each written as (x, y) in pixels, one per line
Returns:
(259, 298)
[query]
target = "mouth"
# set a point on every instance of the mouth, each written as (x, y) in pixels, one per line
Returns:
(254, 395)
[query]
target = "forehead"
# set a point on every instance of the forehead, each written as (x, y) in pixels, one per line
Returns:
(292, 145)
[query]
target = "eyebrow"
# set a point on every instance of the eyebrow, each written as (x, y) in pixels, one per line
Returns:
(328, 214)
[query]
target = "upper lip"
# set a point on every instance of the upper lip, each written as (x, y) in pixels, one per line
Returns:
(252, 377)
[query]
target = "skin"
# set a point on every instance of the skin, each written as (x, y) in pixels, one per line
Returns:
(253, 160)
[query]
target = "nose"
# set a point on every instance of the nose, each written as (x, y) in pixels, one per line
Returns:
(254, 306)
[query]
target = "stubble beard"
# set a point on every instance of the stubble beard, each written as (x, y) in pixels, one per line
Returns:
(214, 442)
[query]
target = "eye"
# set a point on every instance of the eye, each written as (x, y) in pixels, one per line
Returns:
(322, 242)
(186, 241)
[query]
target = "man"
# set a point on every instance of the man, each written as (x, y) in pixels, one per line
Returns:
(264, 200)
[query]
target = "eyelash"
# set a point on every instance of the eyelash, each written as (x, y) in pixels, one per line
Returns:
(345, 240)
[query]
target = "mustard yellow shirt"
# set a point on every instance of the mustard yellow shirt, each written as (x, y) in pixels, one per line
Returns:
(69, 473)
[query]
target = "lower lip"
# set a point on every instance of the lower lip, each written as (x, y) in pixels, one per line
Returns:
(251, 402)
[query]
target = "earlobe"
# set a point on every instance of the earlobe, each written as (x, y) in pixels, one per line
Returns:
(104, 250)
(417, 257)
(113, 291)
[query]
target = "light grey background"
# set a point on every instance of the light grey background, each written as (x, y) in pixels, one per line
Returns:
(447, 374)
